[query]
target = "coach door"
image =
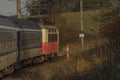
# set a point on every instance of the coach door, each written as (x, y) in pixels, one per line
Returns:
(18, 44)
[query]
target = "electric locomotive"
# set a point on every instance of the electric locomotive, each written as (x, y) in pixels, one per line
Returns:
(50, 40)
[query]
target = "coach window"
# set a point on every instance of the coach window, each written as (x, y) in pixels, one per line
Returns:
(35, 38)
(0, 42)
(28, 38)
(3, 41)
(32, 39)
(49, 30)
(7, 41)
(10, 46)
(52, 37)
(31, 35)
(54, 30)
(25, 38)
(0, 47)
(13, 40)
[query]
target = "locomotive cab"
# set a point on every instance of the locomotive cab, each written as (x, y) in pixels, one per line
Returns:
(50, 40)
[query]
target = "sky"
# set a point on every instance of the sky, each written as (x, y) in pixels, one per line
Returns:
(8, 8)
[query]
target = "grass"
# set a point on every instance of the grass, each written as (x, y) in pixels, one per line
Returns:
(69, 26)
(89, 63)
(72, 20)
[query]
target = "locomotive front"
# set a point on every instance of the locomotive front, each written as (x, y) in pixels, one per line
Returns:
(50, 40)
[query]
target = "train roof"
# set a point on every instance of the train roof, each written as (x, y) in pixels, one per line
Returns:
(48, 26)
(25, 24)
(18, 23)
(4, 21)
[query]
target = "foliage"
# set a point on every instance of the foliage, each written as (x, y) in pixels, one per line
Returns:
(111, 31)
(44, 6)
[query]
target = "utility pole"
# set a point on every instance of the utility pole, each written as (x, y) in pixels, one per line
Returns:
(81, 35)
(18, 4)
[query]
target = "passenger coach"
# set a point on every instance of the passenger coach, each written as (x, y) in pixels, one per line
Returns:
(8, 46)
(23, 42)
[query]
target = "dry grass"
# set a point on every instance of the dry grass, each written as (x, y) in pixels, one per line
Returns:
(93, 58)
(85, 60)
(69, 26)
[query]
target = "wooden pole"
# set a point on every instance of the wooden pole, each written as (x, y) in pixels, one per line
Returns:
(81, 21)
(18, 4)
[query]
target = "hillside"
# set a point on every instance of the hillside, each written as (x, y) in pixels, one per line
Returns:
(72, 20)
(69, 25)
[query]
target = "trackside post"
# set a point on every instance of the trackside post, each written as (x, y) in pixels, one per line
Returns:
(68, 51)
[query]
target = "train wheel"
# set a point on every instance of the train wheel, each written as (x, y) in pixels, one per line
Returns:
(41, 59)
(10, 69)
(38, 60)
(47, 56)
(27, 62)
(55, 55)
(4, 72)
(52, 56)
(17, 66)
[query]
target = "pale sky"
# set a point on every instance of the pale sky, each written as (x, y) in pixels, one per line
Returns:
(8, 7)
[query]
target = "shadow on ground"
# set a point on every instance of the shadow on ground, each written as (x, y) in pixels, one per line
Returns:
(107, 71)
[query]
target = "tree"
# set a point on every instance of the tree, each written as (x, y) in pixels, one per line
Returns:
(45, 5)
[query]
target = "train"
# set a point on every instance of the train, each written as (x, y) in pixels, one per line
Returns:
(23, 43)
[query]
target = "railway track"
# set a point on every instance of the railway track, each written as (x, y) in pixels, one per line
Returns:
(58, 58)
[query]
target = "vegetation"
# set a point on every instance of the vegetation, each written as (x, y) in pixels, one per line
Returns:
(111, 30)
(46, 6)
(99, 19)
(69, 26)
